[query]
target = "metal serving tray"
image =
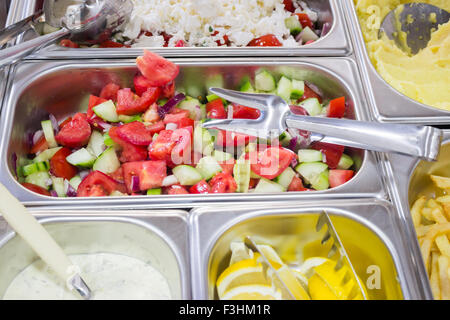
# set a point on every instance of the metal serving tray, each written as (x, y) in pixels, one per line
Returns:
(335, 43)
(386, 103)
(288, 228)
(157, 237)
(61, 88)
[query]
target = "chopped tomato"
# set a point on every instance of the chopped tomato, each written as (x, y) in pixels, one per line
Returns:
(253, 183)
(151, 115)
(268, 40)
(180, 118)
(97, 184)
(130, 104)
(336, 108)
(296, 185)
(141, 84)
(271, 162)
(161, 148)
(227, 166)
(112, 44)
(118, 175)
(304, 19)
(62, 124)
(109, 92)
(168, 91)
(156, 127)
(175, 189)
(76, 133)
(288, 5)
(225, 40)
(129, 151)
(233, 139)
(180, 44)
(135, 133)
(37, 189)
(299, 110)
(223, 183)
(339, 177)
(332, 153)
(242, 112)
(39, 146)
(182, 151)
(59, 167)
(174, 147)
(68, 44)
(310, 93)
(216, 110)
(201, 187)
(150, 173)
(92, 118)
(156, 69)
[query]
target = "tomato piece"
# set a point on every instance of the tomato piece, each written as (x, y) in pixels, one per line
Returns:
(228, 166)
(168, 91)
(243, 112)
(174, 147)
(332, 153)
(68, 44)
(39, 146)
(130, 104)
(118, 175)
(304, 19)
(112, 44)
(129, 152)
(62, 124)
(76, 133)
(175, 189)
(310, 93)
(109, 92)
(97, 184)
(60, 167)
(91, 116)
(299, 110)
(225, 40)
(180, 118)
(336, 108)
(135, 133)
(268, 40)
(161, 148)
(156, 127)
(288, 5)
(223, 183)
(253, 183)
(141, 84)
(151, 115)
(156, 69)
(200, 188)
(180, 44)
(151, 174)
(37, 189)
(339, 177)
(271, 162)
(296, 185)
(216, 110)
(233, 139)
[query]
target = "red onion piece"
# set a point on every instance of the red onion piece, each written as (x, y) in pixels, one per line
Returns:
(294, 162)
(14, 164)
(69, 190)
(36, 136)
(172, 103)
(293, 143)
(53, 193)
(84, 174)
(325, 29)
(55, 124)
(135, 184)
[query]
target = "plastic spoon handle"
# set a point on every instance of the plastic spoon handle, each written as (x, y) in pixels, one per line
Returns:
(26, 225)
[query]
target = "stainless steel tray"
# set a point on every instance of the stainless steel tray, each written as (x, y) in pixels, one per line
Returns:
(157, 237)
(213, 229)
(336, 43)
(59, 87)
(386, 103)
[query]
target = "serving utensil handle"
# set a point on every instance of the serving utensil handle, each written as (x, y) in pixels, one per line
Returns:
(18, 28)
(417, 141)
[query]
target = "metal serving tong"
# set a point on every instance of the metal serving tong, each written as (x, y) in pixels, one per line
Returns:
(417, 141)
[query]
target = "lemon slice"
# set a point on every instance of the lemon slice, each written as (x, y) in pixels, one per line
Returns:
(291, 282)
(307, 268)
(252, 292)
(239, 252)
(301, 278)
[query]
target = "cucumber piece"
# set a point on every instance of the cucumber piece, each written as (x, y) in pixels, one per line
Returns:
(194, 90)
(310, 170)
(345, 163)
(298, 89)
(313, 106)
(294, 25)
(154, 192)
(308, 35)
(75, 182)
(96, 143)
(107, 111)
(285, 178)
(264, 81)
(203, 141)
(107, 162)
(116, 193)
(246, 86)
(49, 134)
(46, 154)
(241, 172)
(213, 97)
(42, 166)
(321, 181)
(285, 139)
(187, 175)
(284, 88)
(208, 167)
(267, 186)
(107, 141)
(214, 81)
(82, 158)
(254, 175)
(39, 178)
(129, 119)
(306, 155)
(222, 156)
(58, 186)
(191, 105)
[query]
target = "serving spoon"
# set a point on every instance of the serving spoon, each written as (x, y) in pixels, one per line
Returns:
(26, 225)
(410, 25)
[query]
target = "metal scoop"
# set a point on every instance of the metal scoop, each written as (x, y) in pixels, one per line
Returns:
(276, 116)
(410, 25)
(89, 21)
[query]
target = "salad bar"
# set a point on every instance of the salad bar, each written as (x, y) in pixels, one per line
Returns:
(109, 148)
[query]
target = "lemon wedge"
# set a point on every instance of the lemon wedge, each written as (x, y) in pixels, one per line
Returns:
(307, 268)
(252, 292)
(239, 252)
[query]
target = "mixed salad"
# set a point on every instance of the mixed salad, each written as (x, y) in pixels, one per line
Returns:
(149, 141)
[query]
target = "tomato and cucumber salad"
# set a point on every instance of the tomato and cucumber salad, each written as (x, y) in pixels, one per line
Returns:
(148, 140)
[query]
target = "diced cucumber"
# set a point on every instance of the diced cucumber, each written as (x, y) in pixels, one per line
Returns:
(222, 156)
(321, 182)
(75, 182)
(194, 90)
(285, 178)
(43, 166)
(264, 81)
(267, 186)
(285, 139)
(82, 158)
(116, 193)
(58, 186)
(208, 167)
(310, 170)
(169, 181)
(345, 163)
(213, 97)
(246, 86)
(203, 141)
(191, 105)
(46, 154)
(298, 89)
(241, 172)
(96, 143)
(49, 134)
(187, 175)
(107, 141)
(107, 111)
(254, 175)
(293, 24)
(39, 178)
(107, 162)
(284, 88)
(309, 35)
(154, 192)
(313, 106)
(128, 119)
(214, 81)
(305, 155)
